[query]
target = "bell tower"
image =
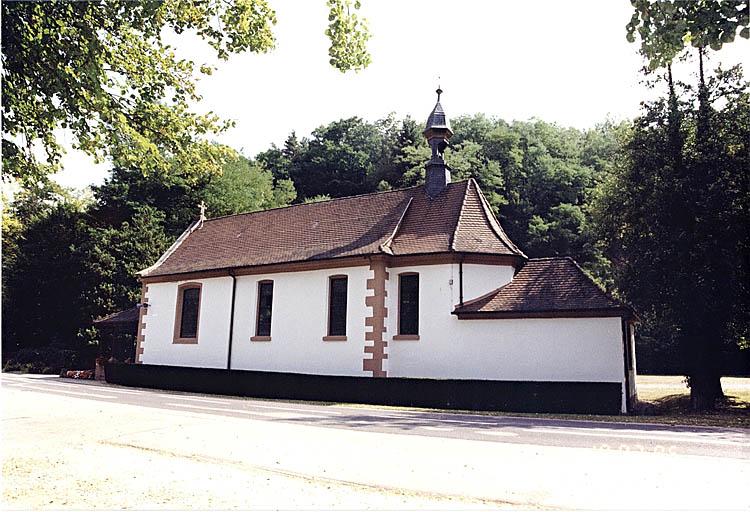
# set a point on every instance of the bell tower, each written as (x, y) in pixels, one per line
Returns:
(437, 132)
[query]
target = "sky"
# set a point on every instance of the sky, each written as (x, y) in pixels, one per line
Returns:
(565, 62)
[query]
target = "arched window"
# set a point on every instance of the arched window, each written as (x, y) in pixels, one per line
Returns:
(408, 304)
(337, 301)
(188, 313)
(263, 314)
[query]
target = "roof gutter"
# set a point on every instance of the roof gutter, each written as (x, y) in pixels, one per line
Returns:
(461, 281)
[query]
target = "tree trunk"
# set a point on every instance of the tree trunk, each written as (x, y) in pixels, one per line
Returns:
(704, 107)
(675, 137)
(705, 378)
(705, 390)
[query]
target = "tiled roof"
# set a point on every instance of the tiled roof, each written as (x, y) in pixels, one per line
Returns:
(126, 316)
(399, 222)
(543, 286)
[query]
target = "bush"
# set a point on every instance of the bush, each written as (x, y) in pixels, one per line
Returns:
(46, 360)
(11, 366)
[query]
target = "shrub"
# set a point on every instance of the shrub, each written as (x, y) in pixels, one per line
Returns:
(46, 360)
(11, 366)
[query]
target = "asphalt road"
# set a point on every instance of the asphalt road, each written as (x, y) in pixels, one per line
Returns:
(620, 437)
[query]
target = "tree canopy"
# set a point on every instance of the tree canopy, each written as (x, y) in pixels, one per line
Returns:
(104, 72)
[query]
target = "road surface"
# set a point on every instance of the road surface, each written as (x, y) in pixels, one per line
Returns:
(342, 456)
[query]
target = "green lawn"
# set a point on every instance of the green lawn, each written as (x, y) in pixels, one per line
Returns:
(655, 387)
(666, 399)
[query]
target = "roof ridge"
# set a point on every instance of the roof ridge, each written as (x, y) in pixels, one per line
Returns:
(386, 246)
(452, 244)
(494, 223)
(598, 287)
(275, 208)
(548, 258)
(481, 297)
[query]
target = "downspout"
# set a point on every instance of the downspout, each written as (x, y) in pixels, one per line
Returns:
(231, 319)
(461, 281)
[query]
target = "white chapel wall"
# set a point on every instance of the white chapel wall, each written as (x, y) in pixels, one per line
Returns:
(554, 349)
(213, 325)
(551, 349)
(482, 279)
(299, 322)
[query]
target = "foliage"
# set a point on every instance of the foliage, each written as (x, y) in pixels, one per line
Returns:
(665, 27)
(343, 158)
(245, 187)
(104, 72)
(114, 256)
(44, 286)
(47, 360)
(348, 34)
(674, 220)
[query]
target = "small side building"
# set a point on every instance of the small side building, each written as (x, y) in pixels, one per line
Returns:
(117, 333)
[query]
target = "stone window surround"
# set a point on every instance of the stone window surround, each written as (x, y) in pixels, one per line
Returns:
(258, 337)
(177, 339)
(329, 336)
(398, 336)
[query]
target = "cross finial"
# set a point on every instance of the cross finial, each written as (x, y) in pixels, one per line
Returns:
(439, 91)
(202, 206)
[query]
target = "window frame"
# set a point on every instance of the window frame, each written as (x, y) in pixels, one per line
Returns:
(399, 336)
(336, 337)
(257, 336)
(177, 338)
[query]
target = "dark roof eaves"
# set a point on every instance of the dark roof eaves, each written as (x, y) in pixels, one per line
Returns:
(607, 312)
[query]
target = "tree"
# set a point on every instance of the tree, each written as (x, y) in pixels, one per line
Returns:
(339, 160)
(103, 71)
(695, 196)
(115, 255)
(245, 187)
(44, 284)
(665, 27)
(675, 228)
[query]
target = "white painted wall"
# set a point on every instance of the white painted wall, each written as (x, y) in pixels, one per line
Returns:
(554, 349)
(482, 279)
(213, 325)
(299, 322)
